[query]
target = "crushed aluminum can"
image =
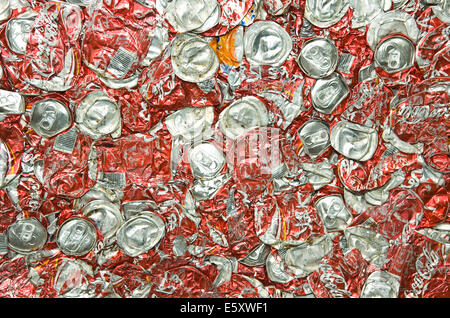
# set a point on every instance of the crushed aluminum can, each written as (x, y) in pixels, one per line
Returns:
(206, 160)
(394, 54)
(327, 93)
(193, 59)
(18, 31)
(11, 103)
(318, 58)
(315, 137)
(266, 43)
(105, 215)
(190, 122)
(49, 117)
(140, 234)
(333, 212)
(76, 236)
(5, 10)
(98, 116)
(392, 22)
(354, 141)
(242, 115)
(324, 14)
(381, 284)
(442, 11)
(26, 236)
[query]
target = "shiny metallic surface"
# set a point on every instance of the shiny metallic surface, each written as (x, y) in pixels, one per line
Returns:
(365, 11)
(206, 160)
(381, 195)
(257, 256)
(11, 102)
(105, 215)
(212, 20)
(325, 13)
(133, 208)
(381, 284)
(327, 93)
(50, 117)
(193, 59)
(190, 122)
(18, 32)
(305, 258)
(315, 137)
(76, 236)
(266, 43)
(333, 212)
(442, 11)
(185, 16)
(4, 162)
(5, 10)
(275, 268)
(242, 115)
(26, 235)
(395, 54)
(354, 141)
(372, 245)
(392, 22)
(98, 116)
(318, 58)
(140, 233)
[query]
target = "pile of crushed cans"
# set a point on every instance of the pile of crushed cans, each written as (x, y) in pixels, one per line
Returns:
(225, 148)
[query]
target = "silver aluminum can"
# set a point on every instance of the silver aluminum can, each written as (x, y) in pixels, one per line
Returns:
(5, 10)
(365, 11)
(381, 284)
(190, 122)
(206, 160)
(98, 116)
(442, 11)
(76, 236)
(327, 93)
(318, 58)
(395, 54)
(257, 256)
(333, 212)
(315, 137)
(105, 215)
(305, 258)
(140, 233)
(11, 103)
(133, 208)
(266, 43)
(354, 141)
(212, 20)
(26, 236)
(391, 22)
(242, 115)
(18, 31)
(50, 117)
(325, 13)
(276, 270)
(193, 59)
(185, 15)
(373, 246)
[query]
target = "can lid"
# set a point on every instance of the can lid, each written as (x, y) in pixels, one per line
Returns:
(324, 14)
(315, 136)
(193, 59)
(257, 256)
(185, 15)
(333, 212)
(18, 31)
(266, 43)
(354, 141)
(5, 10)
(372, 245)
(394, 54)
(98, 115)
(392, 22)
(318, 58)
(140, 233)
(26, 235)
(212, 20)
(242, 115)
(76, 236)
(11, 102)
(327, 93)
(105, 215)
(365, 11)
(132, 208)
(49, 117)
(190, 122)
(206, 160)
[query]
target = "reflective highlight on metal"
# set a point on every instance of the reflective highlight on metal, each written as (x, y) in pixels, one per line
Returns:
(206, 160)
(50, 117)
(333, 212)
(318, 58)
(325, 13)
(327, 93)
(395, 54)
(76, 236)
(315, 137)
(26, 236)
